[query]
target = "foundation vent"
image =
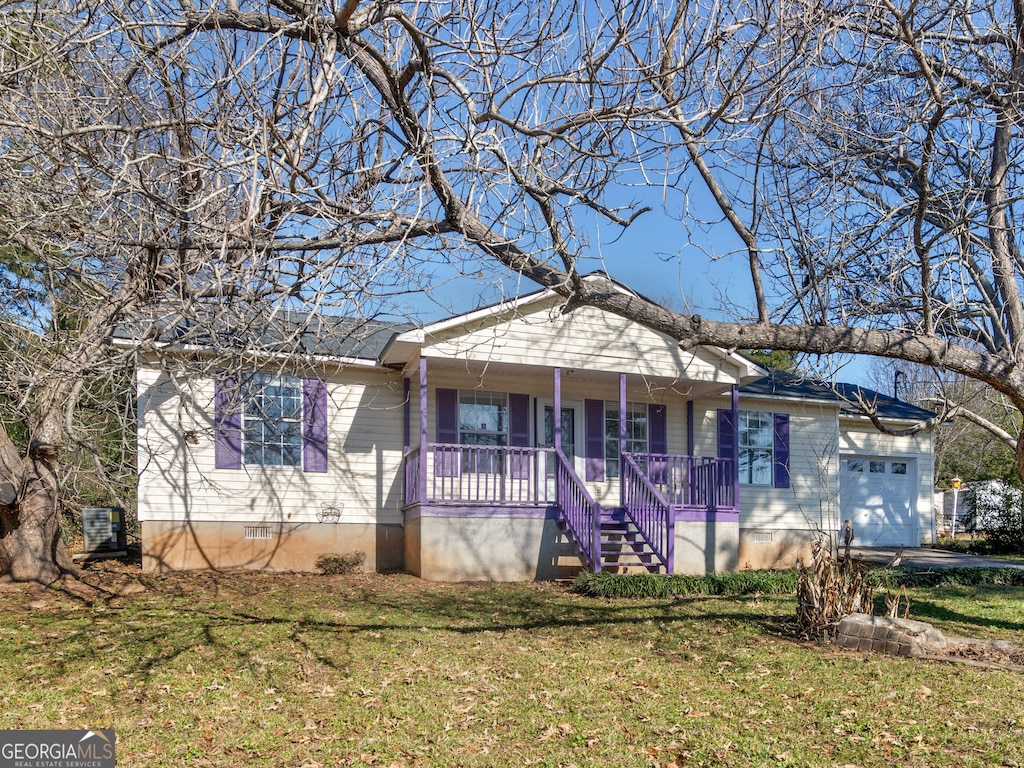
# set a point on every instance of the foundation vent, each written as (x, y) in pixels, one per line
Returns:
(257, 531)
(762, 537)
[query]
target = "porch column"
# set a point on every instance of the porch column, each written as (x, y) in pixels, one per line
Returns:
(622, 421)
(736, 445)
(556, 417)
(422, 490)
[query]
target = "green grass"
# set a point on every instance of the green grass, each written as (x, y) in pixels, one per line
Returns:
(266, 670)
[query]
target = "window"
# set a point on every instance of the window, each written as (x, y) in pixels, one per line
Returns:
(483, 420)
(636, 434)
(756, 447)
(898, 468)
(267, 420)
(761, 442)
(272, 421)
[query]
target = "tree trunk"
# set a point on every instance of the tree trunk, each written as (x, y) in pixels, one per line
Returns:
(31, 545)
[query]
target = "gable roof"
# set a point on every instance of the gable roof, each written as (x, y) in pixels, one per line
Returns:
(250, 330)
(300, 333)
(405, 344)
(778, 384)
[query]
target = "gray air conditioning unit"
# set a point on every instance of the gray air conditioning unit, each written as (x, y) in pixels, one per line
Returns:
(103, 529)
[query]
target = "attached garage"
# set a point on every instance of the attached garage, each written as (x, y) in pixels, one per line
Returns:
(879, 494)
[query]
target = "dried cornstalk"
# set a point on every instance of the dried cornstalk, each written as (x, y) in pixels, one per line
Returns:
(829, 590)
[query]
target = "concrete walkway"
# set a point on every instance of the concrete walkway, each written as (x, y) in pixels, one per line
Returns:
(925, 557)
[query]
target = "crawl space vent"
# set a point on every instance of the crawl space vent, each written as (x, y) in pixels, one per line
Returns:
(257, 531)
(762, 537)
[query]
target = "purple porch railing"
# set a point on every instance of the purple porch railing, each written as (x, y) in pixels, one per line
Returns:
(650, 512)
(579, 510)
(692, 482)
(481, 474)
(411, 460)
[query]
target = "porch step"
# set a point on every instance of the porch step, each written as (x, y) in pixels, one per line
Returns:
(623, 547)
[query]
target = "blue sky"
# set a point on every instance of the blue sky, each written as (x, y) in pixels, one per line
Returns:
(700, 269)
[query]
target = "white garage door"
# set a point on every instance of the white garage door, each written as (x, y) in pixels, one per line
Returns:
(876, 493)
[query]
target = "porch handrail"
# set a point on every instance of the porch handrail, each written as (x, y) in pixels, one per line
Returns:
(581, 513)
(490, 475)
(411, 462)
(649, 511)
(696, 482)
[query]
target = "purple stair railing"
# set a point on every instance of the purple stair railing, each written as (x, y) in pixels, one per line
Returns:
(579, 511)
(693, 482)
(649, 511)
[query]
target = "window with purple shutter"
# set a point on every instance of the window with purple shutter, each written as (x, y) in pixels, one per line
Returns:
(270, 421)
(594, 418)
(227, 423)
(446, 460)
(314, 425)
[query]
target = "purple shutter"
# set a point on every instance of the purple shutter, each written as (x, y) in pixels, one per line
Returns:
(657, 441)
(446, 460)
(780, 469)
(314, 425)
(594, 416)
(727, 448)
(227, 421)
(519, 434)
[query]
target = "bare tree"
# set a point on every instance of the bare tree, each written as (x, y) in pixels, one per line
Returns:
(980, 428)
(212, 166)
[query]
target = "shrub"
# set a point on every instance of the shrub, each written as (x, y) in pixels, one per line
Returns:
(999, 510)
(640, 585)
(332, 564)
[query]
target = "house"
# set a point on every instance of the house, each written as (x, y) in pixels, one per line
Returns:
(519, 441)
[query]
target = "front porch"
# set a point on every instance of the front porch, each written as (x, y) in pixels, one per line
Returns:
(662, 498)
(527, 472)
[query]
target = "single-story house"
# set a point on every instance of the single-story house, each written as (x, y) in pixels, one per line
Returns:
(519, 441)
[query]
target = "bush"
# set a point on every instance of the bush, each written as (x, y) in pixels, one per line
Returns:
(679, 585)
(999, 510)
(332, 564)
(660, 585)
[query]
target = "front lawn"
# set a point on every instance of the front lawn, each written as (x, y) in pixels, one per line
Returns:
(262, 670)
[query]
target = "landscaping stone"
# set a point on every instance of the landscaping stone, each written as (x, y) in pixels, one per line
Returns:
(898, 637)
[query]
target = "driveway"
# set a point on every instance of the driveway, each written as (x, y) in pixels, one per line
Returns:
(925, 557)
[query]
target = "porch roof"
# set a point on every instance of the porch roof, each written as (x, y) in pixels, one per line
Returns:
(844, 396)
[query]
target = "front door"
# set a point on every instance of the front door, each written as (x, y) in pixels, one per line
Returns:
(572, 434)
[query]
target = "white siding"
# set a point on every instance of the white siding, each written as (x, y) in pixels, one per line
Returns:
(179, 482)
(811, 501)
(584, 339)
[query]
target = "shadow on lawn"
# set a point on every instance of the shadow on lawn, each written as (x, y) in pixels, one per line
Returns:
(273, 627)
(924, 610)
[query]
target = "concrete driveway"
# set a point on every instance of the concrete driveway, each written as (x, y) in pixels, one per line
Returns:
(925, 557)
